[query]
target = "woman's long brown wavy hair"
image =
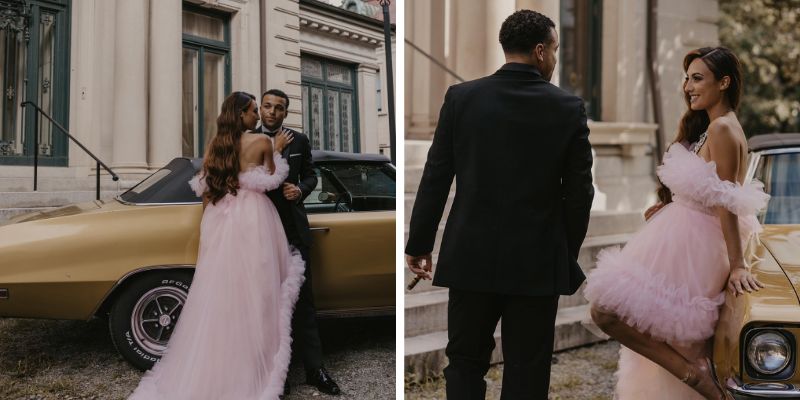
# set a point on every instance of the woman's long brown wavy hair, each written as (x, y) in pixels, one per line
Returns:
(721, 62)
(221, 162)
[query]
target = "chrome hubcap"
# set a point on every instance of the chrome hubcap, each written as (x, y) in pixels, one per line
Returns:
(154, 317)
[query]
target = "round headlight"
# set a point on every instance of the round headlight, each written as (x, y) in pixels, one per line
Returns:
(768, 352)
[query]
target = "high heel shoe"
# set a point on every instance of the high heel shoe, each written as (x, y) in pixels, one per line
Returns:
(700, 378)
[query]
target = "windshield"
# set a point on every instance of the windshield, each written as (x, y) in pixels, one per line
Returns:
(166, 186)
(780, 174)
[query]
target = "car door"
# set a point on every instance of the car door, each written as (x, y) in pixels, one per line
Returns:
(352, 218)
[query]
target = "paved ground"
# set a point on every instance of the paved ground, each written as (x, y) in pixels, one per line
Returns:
(70, 360)
(585, 373)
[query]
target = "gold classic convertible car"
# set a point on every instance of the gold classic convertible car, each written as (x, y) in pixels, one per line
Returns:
(131, 259)
(756, 342)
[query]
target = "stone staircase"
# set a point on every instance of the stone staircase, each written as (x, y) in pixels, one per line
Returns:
(426, 306)
(17, 196)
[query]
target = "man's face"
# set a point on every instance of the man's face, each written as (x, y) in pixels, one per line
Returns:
(548, 54)
(273, 111)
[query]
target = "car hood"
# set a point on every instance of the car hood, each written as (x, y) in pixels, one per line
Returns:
(783, 243)
(72, 209)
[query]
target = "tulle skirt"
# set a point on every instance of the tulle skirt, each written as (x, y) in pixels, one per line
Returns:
(669, 279)
(232, 340)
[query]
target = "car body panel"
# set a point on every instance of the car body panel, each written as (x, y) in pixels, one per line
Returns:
(775, 304)
(777, 265)
(44, 255)
(65, 263)
(347, 280)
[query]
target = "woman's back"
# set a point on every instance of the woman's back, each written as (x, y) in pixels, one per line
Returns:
(252, 149)
(727, 147)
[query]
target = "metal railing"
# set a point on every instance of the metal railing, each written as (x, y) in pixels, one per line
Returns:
(434, 61)
(63, 130)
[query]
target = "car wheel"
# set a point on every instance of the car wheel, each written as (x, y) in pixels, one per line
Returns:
(144, 315)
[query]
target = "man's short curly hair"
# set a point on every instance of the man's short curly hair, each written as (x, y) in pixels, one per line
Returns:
(523, 30)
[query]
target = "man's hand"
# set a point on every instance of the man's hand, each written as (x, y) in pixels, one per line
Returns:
(652, 210)
(291, 192)
(415, 264)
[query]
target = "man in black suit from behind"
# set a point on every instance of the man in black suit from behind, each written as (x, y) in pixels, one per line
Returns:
(288, 200)
(518, 148)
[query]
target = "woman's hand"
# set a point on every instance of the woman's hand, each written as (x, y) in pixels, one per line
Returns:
(282, 139)
(652, 210)
(741, 279)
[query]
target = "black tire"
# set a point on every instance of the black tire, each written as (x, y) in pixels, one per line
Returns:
(157, 295)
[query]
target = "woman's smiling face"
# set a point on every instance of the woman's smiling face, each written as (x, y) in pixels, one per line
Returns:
(702, 89)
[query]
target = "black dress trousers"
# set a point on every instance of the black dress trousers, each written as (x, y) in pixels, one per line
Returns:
(527, 338)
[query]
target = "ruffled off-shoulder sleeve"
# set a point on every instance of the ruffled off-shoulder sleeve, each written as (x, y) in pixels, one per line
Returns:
(265, 182)
(688, 175)
(198, 184)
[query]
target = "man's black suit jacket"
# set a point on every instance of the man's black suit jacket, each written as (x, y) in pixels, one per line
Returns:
(519, 150)
(301, 173)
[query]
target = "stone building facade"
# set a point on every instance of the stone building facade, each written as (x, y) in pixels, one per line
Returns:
(140, 82)
(602, 58)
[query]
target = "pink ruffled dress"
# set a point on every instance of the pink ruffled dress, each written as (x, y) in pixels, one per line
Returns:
(232, 340)
(669, 279)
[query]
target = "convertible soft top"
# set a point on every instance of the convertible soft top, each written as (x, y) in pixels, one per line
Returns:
(169, 185)
(774, 141)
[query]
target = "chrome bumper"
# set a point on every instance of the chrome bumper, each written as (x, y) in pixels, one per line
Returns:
(763, 391)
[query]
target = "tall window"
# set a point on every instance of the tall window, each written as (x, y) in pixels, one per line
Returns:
(206, 75)
(580, 51)
(34, 54)
(329, 105)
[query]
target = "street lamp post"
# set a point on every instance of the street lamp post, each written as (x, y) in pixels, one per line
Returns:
(387, 33)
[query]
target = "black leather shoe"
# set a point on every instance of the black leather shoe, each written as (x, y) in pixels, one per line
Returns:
(322, 381)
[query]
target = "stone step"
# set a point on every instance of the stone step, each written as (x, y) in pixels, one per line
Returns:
(425, 357)
(409, 206)
(600, 222)
(49, 199)
(412, 176)
(56, 184)
(426, 311)
(586, 258)
(416, 152)
(8, 213)
(426, 305)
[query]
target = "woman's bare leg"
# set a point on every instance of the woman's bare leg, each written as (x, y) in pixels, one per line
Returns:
(699, 377)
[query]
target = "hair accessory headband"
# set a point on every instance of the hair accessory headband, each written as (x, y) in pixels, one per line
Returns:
(710, 53)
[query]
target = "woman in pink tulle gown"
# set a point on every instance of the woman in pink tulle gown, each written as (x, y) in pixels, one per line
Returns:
(233, 337)
(659, 296)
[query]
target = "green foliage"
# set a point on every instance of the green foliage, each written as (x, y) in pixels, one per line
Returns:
(765, 34)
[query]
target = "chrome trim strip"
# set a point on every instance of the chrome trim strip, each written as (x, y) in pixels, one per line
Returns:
(128, 203)
(781, 150)
(322, 229)
(357, 312)
(120, 281)
(763, 393)
(751, 167)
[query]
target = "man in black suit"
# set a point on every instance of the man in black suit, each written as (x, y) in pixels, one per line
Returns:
(519, 150)
(288, 201)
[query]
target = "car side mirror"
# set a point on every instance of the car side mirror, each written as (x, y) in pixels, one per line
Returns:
(327, 197)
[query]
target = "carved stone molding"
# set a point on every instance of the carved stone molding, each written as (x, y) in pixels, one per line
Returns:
(340, 31)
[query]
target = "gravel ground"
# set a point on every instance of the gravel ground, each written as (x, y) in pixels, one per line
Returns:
(71, 360)
(585, 373)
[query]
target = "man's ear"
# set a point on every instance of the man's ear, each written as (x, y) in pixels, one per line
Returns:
(539, 52)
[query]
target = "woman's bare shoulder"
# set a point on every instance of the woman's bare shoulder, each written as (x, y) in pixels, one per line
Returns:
(725, 129)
